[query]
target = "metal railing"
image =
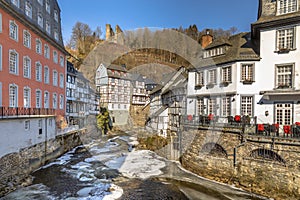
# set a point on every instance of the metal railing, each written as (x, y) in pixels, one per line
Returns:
(15, 112)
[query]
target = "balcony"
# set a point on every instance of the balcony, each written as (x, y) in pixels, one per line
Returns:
(20, 112)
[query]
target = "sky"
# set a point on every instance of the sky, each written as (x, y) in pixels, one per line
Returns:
(133, 14)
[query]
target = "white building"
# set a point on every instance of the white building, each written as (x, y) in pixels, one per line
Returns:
(113, 85)
(277, 31)
(225, 84)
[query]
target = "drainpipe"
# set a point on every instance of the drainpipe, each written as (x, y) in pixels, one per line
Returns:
(235, 152)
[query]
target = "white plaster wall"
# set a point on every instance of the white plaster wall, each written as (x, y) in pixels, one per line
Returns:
(14, 136)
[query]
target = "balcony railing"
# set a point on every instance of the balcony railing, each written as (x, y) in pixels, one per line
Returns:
(11, 112)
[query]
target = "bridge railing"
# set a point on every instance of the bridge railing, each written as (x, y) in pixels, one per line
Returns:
(16, 112)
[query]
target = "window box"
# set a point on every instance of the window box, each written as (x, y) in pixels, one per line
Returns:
(224, 83)
(198, 86)
(210, 85)
(283, 50)
(247, 81)
(283, 86)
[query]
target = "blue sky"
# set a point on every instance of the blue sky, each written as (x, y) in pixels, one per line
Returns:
(132, 14)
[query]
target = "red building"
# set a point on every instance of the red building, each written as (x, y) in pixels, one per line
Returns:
(32, 56)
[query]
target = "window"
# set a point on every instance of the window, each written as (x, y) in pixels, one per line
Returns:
(284, 113)
(46, 99)
(40, 123)
(48, 28)
(212, 106)
(286, 6)
(38, 46)
(247, 73)
(28, 9)
(47, 51)
(26, 97)
(26, 39)
(27, 125)
(13, 95)
(38, 98)
(61, 101)
(61, 61)
(0, 58)
(200, 106)
(40, 20)
(284, 76)
(48, 6)
(212, 78)
(46, 74)
(55, 77)
(54, 99)
(56, 15)
(26, 67)
(61, 80)
(285, 39)
(55, 57)
(226, 106)
(13, 62)
(226, 74)
(199, 79)
(56, 35)
(13, 30)
(247, 105)
(0, 23)
(16, 3)
(38, 71)
(40, 2)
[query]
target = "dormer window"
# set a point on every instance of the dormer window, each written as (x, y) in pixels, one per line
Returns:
(214, 52)
(286, 6)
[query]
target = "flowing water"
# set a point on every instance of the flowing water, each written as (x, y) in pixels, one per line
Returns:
(110, 169)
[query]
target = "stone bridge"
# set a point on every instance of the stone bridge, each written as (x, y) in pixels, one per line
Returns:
(260, 164)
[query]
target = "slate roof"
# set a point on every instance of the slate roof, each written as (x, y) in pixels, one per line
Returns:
(240, 48)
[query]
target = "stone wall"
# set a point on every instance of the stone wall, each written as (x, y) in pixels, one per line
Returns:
(276, 176)
(15, 168)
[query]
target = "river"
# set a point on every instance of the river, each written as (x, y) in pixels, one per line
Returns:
(108, 168)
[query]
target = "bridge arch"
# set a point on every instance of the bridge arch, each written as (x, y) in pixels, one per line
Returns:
(214, 149)
(266, 154)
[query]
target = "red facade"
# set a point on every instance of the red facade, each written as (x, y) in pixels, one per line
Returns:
(7, 78)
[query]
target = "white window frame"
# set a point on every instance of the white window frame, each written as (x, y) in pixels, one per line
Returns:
(38, 46)
(55, 15)
(284, 78)
(226, 74)
(226, 106)
(40, 2)
(27, 39)
(61, 102)
(38, 98)
(56, 35)
(13, 95)
(13, 30)
(212, 76)
(27, 97)
(62, 61)
(55, 78)
(47, 51)
(284, 113)
(28, 9)
(199, 78)
(16, 3)
(46, 75)
(286, 6)
(200, 106)
(40, 20)
(0, 23)
(247, 105)
(212, 105)
(38, 71)
(55, 56)
(1, 57)
(285, 39)
(48, 27)
(54, 101)
(46, 99)
(26, 67)
(47, 6)
(61, 80)
(247, 72)
(13, 64)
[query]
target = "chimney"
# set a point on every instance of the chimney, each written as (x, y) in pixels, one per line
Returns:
(206, 39)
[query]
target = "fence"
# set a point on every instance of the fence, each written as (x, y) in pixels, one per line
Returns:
(15, 112)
